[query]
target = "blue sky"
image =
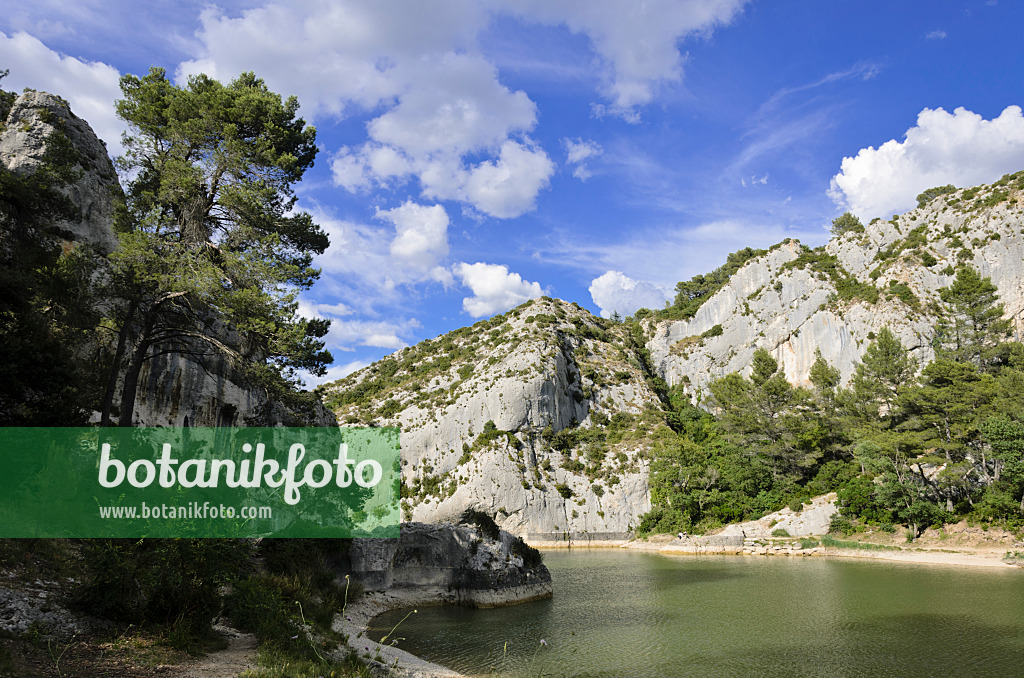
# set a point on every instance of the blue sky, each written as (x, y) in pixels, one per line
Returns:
(476, 154)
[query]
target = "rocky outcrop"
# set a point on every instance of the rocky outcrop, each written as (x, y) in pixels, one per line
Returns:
(789, 300)
(40, 130)
(41, 133)
(450, 563)
(538, 417)
(811, 520)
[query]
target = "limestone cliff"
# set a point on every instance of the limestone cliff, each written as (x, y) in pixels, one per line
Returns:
(39, 122)
(175, 389)
(536, 417)
(792, 301)
(541, 417)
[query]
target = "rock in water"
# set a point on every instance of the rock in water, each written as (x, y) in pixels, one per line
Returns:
(453, 564)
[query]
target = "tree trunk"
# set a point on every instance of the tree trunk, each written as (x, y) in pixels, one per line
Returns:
(131, 374)
(131, 383)
(115, 366)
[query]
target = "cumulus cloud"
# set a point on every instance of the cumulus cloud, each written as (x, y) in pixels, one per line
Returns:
(614, 292)
(937, 34)
(442, 115)
(494, 288)
(959, 148)
(421, 240)
(508, 187)
(367, 263)
(333, 373)
(90, 87)
(333, 55)
(638, 42)
(577, 152)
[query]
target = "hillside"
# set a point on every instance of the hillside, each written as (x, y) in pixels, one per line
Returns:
(547, 417)
(793, 300)
(538, 416)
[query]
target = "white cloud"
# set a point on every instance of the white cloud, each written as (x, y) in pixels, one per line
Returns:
(637, 41)
(421, 241)
(441, 113)
(453, 105)
(937, 34)
(577, 152)
(366, 264)
(961, 148)
(350, 170)
(614, 292)
(333, 373)
(494, 288)
(90, 87)
(508, 187)
(332, 55)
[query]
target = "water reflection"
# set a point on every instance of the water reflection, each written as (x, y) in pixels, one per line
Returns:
(634, 614)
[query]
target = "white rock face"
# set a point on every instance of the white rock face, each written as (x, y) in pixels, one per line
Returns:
(812, 520)
(546, 365)
(35, 123)
(793, 310)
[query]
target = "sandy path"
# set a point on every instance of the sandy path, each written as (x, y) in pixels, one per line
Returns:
(239, 656)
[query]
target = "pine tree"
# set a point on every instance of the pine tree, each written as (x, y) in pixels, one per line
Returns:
(768, 416)
(209, 238)
(883, 373)
(973, 325)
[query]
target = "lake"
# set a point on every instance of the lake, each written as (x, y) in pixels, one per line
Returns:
(625, 613)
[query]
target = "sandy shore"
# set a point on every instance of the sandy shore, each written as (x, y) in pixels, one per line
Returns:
(669, 545)
(926, 556)
(979, 557)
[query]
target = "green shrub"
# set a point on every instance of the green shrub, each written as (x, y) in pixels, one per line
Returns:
(483, 521)
(840, 524)
(809, 542)
(177, 582)
(927, 196)
(531, 556)
(846, 223)
(780, 532)
(715, 331)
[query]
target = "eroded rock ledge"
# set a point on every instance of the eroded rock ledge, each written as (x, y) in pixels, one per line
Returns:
(456, 564)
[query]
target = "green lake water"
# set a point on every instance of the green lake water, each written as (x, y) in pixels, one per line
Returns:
(622, 613)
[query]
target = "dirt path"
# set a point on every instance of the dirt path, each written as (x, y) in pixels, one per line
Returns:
(239, 656)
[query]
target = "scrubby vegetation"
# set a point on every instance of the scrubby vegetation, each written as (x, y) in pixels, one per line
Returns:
(691, 294)
(899, 445)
